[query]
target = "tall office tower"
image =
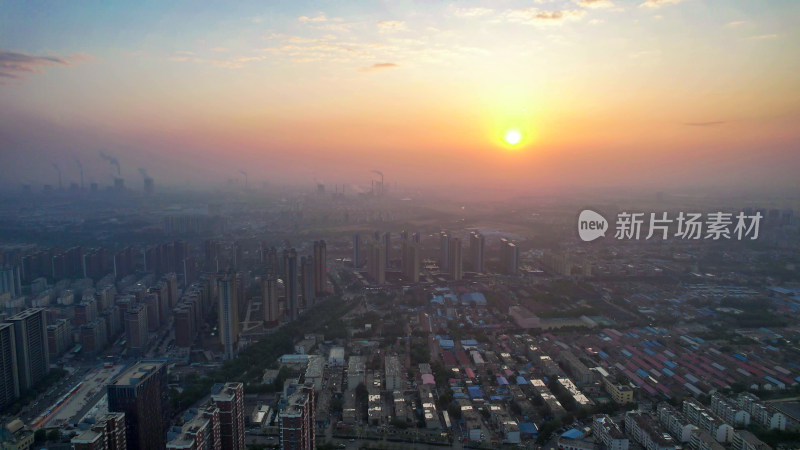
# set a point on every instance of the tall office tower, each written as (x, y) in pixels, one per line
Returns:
(153, 300)
(356, 250)
(416, 237)
(148, 186)
(444, 251)
(30, 339)
(161, 291)
(410, 256)
(11, 281)
(184, 325)
(212, 253)
(272, 260)
(297, 420)
(320, 268)
(476, 244)
(376, 262)
(455, 263)
(240, 294)
(290, 282)
(107, 433)
(228, 310)
(9, 383)
(136, 329)
(510, 256)
(387, 246)
(307, 273)
(141, 393)
(171, 280)
(229, 398)
(269, 299)
(237, 255)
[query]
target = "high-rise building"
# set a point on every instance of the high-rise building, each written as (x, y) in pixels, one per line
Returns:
(356, 250)
(141, 393)
(228, 309)
(212, 250)
(59, 338)
(211, 412)
(476, 244)
(185, 325)
(107, 433)
(444, 251)
(387, 246)
(290, 282)
(229, 398)
(297, 420)
(9, 383)
(510, 256)
(455, 262)
(199, 432)
(272, 261)
(320, 268)
(269, 299)
(376, 262)
(30, 339)
(238, 255)
(11, 281)
(136, 330)
(94, 336)
(307, 273)
(410, 259)
(85, 311)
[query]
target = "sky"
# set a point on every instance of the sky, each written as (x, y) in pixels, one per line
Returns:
(655, 93)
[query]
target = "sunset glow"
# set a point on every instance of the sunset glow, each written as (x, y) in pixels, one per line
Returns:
(195, 93)
(513, 137)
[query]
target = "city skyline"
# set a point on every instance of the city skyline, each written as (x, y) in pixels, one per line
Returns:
(653, 93)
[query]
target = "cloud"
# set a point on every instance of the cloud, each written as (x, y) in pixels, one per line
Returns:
(659, 3)
(705, 124)
(533, 16)
(762, 37)
(378, 66)
(595, 3)
(736, 23)
(390, 26)
(236, 63)
(16, 65)
(472, 12)
(318, 19)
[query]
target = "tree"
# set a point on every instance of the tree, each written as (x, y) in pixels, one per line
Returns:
(53, 435)
(40, 435)
(454, 410)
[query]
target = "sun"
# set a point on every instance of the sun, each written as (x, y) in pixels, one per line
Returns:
(513, 137)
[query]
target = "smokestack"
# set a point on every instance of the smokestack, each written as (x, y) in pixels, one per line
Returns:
(113, 161)
(245, 178)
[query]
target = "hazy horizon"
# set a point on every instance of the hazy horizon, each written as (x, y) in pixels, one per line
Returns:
(656, 94)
